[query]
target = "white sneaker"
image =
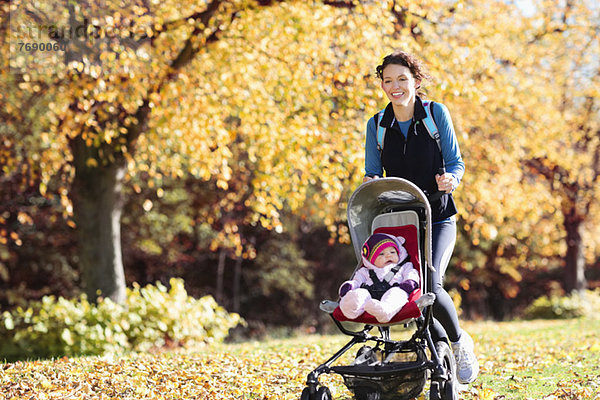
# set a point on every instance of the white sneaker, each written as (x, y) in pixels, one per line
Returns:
(466, 362)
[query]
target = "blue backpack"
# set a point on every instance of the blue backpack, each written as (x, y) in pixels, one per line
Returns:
(429, 122)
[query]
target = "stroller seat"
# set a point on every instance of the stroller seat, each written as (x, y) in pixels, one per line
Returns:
(399, 223)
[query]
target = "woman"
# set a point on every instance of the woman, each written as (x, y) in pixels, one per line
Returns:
(409, 152)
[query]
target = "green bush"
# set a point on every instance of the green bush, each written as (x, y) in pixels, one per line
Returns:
(575, 305)
(151, 317)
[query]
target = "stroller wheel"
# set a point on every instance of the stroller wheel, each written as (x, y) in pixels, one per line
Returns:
(449, 391)
(445, 389)
(323, 393)
(305, 394)
(434, 391)
(365, 355)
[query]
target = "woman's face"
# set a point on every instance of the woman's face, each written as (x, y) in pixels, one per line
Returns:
(399, 84)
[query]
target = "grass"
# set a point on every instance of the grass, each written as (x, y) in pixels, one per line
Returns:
(539, 359)
(519, 360)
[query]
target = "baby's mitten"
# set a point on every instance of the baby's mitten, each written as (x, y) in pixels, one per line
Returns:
(345, 288)
(408, 286)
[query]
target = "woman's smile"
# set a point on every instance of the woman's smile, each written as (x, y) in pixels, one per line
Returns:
(397, 94)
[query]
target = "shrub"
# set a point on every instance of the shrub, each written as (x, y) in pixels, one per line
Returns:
(151, 317)
(575, 305)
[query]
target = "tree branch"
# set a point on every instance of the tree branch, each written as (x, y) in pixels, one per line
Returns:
(187, 53)
(340, 3)
(191, 48)
(552, 173)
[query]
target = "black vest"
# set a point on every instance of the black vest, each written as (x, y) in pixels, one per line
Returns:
(416, 158)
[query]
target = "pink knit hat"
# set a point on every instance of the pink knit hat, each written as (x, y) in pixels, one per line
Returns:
(376, 243)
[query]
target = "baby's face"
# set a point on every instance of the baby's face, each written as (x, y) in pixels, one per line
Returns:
(389, 255)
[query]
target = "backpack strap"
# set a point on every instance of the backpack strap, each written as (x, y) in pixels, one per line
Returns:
(431, 126)
(380, 131)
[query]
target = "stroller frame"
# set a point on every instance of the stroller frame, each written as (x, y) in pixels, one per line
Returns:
(375, 374)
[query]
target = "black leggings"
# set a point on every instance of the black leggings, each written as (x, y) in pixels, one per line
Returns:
(445, 323)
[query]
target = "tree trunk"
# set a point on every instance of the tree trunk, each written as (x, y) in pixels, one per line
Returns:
(575, 261)
(220, 275)
(237, 276)
(97, 207)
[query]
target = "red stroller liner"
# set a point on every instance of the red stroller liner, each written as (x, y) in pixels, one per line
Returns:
(410, 310)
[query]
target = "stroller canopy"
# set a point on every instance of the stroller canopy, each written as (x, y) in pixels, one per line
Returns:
(378, 196)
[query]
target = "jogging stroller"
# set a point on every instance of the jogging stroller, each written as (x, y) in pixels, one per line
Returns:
(386, 369)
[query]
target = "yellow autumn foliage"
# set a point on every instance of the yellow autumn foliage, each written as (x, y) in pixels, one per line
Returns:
(280, 95)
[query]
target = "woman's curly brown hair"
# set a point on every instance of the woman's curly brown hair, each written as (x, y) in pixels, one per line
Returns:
(400, 57)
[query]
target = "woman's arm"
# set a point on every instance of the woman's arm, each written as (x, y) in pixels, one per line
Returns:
(450, 148)
(373, 167)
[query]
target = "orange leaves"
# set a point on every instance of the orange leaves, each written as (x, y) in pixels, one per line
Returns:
(547, 360)
(294, 126)
(254, 371)
(483, 393)
(274, 111)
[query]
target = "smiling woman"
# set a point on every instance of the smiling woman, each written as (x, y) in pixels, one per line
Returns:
(408, 150)
(401, 75)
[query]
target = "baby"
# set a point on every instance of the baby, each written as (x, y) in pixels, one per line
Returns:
(377, 286)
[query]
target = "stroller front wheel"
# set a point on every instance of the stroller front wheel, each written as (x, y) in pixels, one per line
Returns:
(445, 389)
(442, 391)
(449, 391)
(322, 393)
(305, 394)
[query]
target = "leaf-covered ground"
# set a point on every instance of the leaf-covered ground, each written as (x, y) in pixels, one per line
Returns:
(519, 360)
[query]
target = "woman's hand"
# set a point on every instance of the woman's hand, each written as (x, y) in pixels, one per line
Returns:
(368, 178)
(446, 182)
